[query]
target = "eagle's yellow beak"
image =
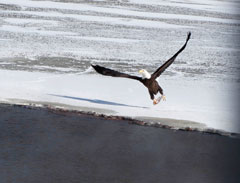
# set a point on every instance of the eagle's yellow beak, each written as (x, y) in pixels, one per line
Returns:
(140, 71)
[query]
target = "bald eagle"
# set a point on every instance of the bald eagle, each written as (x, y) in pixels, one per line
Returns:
(147, 79)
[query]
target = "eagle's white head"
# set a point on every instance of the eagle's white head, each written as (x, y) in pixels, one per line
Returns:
(145, 74)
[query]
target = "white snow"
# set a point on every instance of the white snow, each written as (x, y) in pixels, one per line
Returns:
(207, 5)
(13, 28)
(20, 21)
(106, 39)
(201, 102)
(107, 20)
(125, 12)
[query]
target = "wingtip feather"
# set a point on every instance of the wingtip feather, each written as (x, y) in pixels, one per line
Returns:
(188, 36)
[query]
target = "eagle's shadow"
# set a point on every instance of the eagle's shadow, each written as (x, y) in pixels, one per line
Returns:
(97, 101)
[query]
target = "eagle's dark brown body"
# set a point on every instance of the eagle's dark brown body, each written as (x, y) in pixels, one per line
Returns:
(151, 83)
(153, 87)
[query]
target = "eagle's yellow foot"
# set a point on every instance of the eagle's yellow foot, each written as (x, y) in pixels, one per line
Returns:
(155, 102)
(163, 97)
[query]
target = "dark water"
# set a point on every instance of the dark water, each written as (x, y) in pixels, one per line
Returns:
(37, 145)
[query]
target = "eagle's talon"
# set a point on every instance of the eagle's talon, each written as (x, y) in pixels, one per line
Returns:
(155, 102)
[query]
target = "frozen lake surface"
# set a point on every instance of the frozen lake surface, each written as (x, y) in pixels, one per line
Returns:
(46, 48)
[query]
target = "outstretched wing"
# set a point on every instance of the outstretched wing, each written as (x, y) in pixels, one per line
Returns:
(113, 73)
(161, 69)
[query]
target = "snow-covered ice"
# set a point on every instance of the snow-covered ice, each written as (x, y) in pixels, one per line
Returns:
(186, 101)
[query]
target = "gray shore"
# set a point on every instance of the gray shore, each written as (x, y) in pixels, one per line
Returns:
(39, 145)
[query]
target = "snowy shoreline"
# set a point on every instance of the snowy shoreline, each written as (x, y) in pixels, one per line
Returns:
(203, 107)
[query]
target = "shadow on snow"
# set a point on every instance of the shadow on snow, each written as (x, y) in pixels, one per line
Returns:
(97, 101)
